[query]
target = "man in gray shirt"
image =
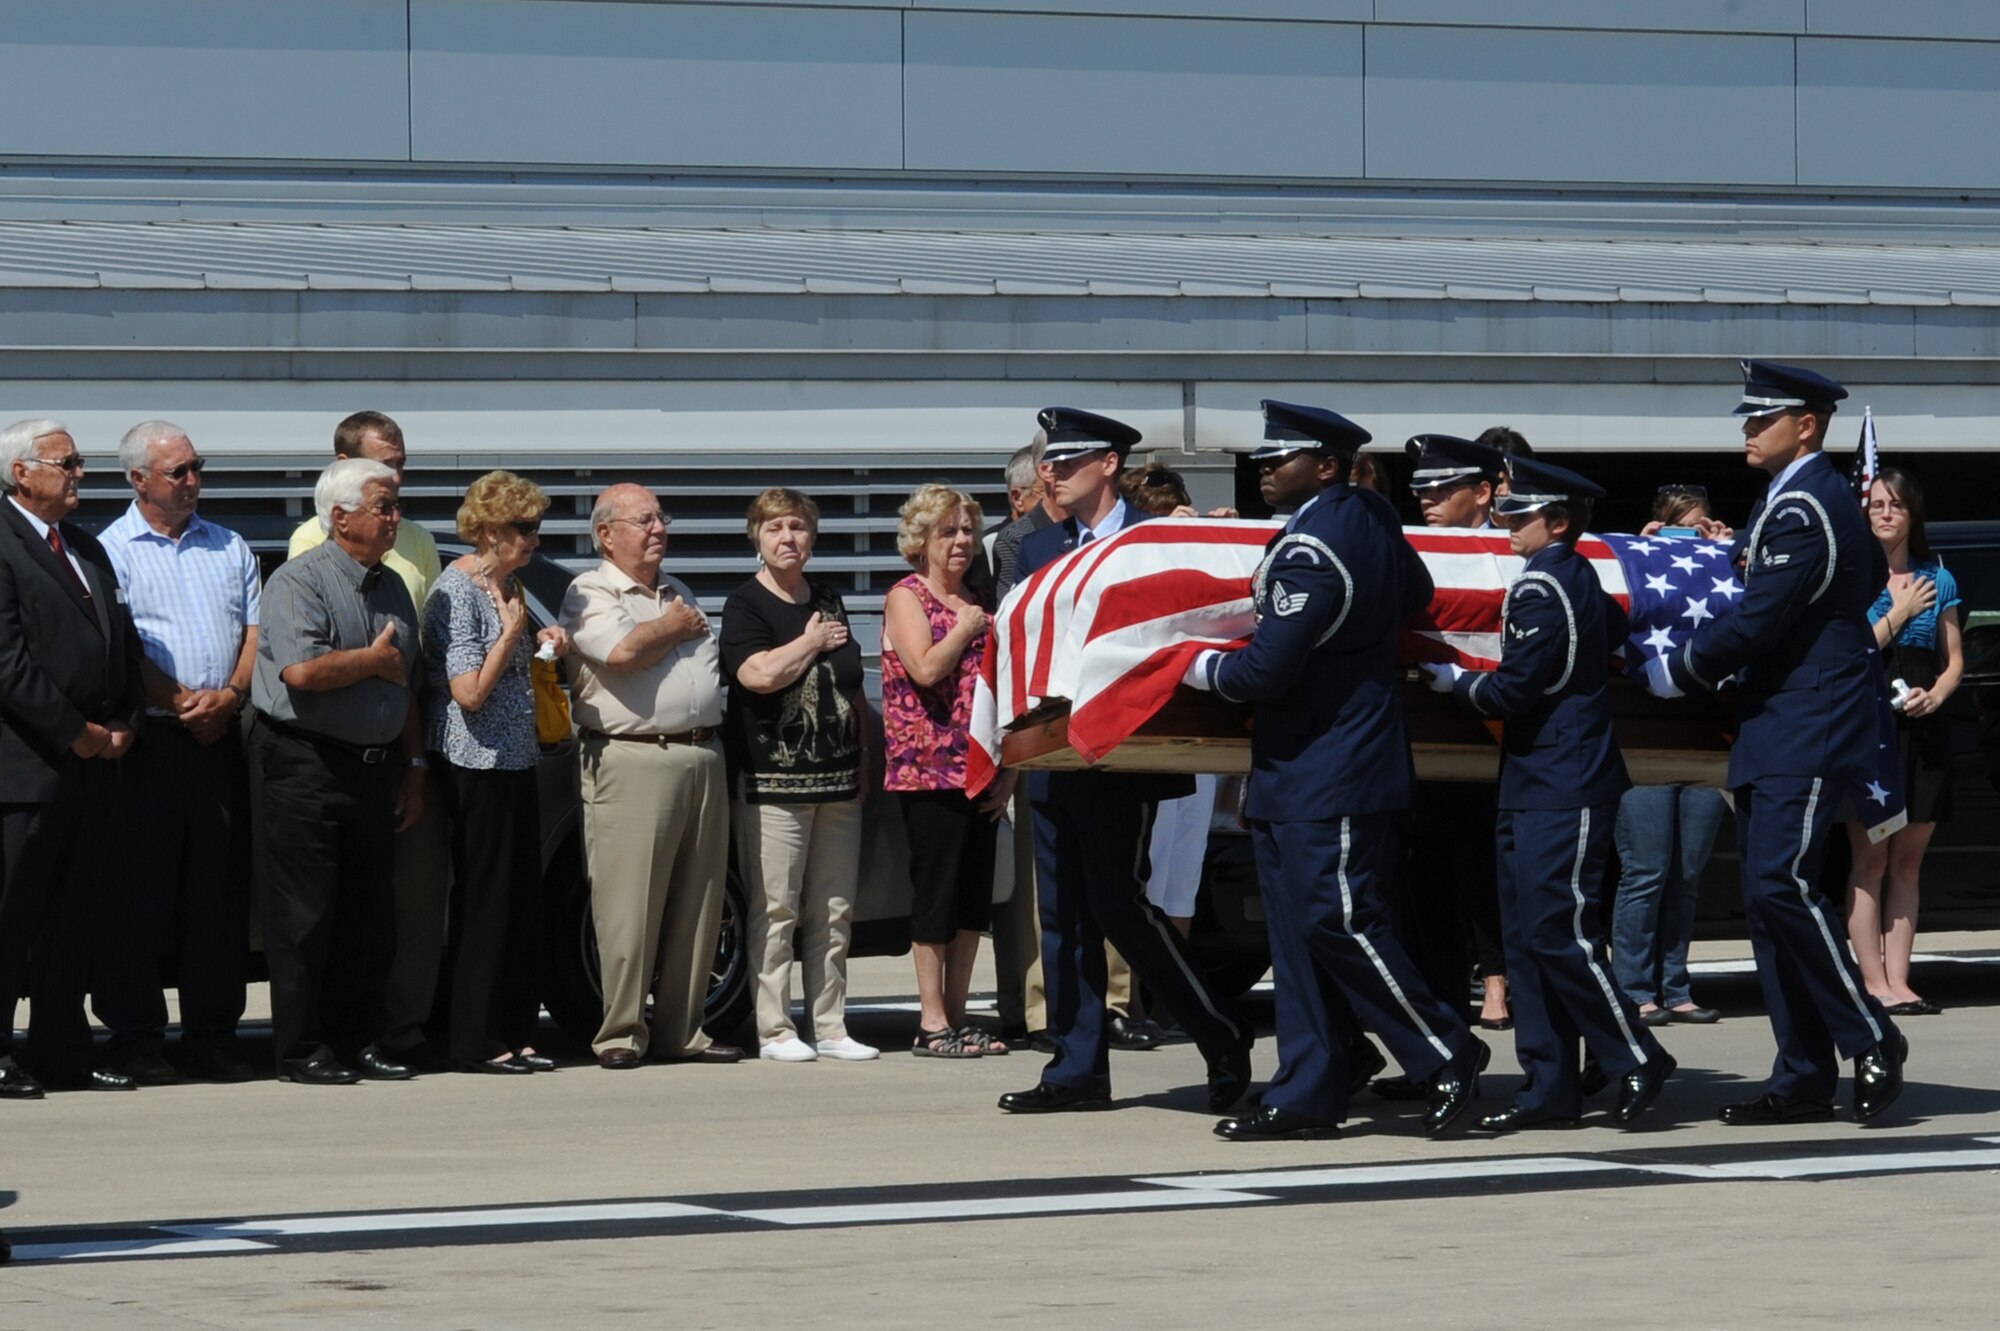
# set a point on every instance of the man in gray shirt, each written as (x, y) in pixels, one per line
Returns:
(337, 758)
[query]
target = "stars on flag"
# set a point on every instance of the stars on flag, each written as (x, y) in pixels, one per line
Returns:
(1684, 563)
(1697, 610)
(1878, 794)
(1712, 551)
(1658, 582)
(1660, 640)
(1726, 588)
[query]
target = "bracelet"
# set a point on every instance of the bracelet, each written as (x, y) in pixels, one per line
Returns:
(242, 694)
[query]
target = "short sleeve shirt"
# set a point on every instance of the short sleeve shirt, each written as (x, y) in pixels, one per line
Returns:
(191, 599)
(1922, 630)
(414, 560)
(460, 626)
(326, 601)
(681, 691)
(802, 744)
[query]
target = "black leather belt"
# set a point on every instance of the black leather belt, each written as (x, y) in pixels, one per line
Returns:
(699, 735)
(371, 754)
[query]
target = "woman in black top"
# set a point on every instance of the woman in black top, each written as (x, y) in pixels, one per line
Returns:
(793, 736)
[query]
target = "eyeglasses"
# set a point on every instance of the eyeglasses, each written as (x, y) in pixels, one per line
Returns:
(385, 509)
(73, 464)
(183, 471)
(526, 526)
(650, 520)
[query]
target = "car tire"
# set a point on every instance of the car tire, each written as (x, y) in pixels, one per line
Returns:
(572, 990)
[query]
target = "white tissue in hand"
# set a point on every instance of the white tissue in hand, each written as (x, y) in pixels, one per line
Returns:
(546, 652)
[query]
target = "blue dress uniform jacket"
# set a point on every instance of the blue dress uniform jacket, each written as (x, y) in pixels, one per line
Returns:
(1800, 635)
(1091, 833)
(1321, 670)
(1557, 626)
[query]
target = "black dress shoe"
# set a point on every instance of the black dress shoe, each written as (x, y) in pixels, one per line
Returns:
(535, 1062)
(1049, 1098)
(215, 1063)
(319, 1070)
(1641, 1086)
(1455, 1086)
(1364, 1063)
(618, 1059)
(91, 1079)
(1134, 1033)
(1916, 1007)
(1771, 1108)
(1496, 1023)
(1513, 1118)
(1591, 1077)
(16, 1084)
(1693, 1016)
(1878, 1077)
(1399, 1088)
(1228, 1079)
(511, 1066)
(1272, 1124)
(378, 1066)
(1658, 1016)
(149, 1068)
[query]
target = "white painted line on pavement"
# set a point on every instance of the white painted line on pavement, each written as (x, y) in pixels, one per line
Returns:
(97, 1249)
(378, 1223)
(972, 1208)
(1815, 1166)
(1364, 1175)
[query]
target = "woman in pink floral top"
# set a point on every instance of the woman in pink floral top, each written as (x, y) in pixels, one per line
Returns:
(934, 639)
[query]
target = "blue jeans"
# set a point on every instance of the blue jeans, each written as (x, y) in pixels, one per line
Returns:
(1664, 835)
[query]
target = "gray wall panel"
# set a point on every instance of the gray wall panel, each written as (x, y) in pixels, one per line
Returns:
(1655, 15)
(1487, 104)
(1012, 92)
(1343, 11)
(1898, 113)
(560, 81)
(1904, 18)
(205, 78)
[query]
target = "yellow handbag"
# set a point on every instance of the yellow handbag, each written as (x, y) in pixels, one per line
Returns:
(552, 721)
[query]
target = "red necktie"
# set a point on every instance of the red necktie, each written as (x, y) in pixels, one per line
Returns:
(62, 556)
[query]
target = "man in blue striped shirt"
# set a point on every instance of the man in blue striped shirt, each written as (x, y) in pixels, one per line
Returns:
(177, 881)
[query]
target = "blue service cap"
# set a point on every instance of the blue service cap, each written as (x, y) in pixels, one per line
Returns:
(1074, 433)
(1769, 387)
(1444, 459)
(1533, 483)
(1295, 429)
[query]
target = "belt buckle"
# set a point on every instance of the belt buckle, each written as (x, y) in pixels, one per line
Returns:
(374, 756)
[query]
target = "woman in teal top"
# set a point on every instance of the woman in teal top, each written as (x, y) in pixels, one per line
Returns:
(1917, 628)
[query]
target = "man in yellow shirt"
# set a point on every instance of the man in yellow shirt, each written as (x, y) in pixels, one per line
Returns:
(423, 856)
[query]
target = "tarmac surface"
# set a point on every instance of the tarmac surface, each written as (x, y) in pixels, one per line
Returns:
(892, 1194)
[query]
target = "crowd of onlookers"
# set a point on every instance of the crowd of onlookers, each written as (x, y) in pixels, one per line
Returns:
(363, 730)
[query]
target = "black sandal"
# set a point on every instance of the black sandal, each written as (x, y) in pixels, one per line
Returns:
(945, 1043)
(983, 1041)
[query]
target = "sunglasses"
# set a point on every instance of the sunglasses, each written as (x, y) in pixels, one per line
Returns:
(73, 464)
(183, 471)
(526, 526)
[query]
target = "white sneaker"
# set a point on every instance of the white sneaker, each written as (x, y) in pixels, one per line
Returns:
(848, 1050)
(791, 1049)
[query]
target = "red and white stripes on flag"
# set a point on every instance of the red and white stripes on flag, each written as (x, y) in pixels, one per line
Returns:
(1867, 457)
(1113, 625)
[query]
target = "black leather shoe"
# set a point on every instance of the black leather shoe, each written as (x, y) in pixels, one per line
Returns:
(1455, 1086)
(535, 1062)
(1513, 1118)
(320, 1070)
(514, 1066)
(1228, 1079)
(1878, 1077)
(378, 1066)
(1364, 1063)
(1693, 1016)
(1770, 1108)
(149, 1068)
(1658, 1016)
(1049, 1098)
(94, 1079)
(1399, 1088)
(1641, 1086)
(16, 1084)
(1271, 1124)
(1591, 1077)
(215, 1063)
(1131, 1033)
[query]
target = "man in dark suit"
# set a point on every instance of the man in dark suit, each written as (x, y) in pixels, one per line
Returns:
(1808, 711)
(1091, 833)
(70, 701)
(1329, 771)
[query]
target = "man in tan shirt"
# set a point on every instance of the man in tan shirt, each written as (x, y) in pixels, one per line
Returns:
(647, 697)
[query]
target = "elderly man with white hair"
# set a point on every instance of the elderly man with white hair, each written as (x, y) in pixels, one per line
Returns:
(70, 705)
(337, 761)
(178, 879)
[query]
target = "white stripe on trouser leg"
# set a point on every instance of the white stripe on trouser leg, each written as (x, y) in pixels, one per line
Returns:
(1160, 926)
(1583, 944)
(1381, 968)
(1819, 916)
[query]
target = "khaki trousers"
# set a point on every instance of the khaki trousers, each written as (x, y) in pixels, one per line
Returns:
(1017, 944)
(656, 840)
(801, 861)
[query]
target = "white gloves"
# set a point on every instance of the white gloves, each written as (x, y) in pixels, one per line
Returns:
(1197, 676)
(1660, 679)
(1442, 677)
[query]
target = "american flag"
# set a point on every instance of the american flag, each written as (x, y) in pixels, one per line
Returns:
(1867, 457)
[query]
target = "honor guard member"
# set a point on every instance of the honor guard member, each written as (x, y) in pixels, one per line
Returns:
(1807, 732)
(1329, 771)
(1091, 833)
(1560, 778)
(1455, 480)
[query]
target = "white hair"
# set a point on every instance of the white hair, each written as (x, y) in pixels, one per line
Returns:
(17, 444)
(341, 484)
(135, 450)
(1021, 467)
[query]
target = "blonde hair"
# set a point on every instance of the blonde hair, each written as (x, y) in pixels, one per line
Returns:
(781, 502)
(498, 498)
(923, 512)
